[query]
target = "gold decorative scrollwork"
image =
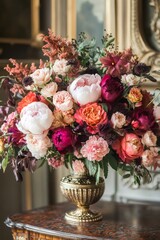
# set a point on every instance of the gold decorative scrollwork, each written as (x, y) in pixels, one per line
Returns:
(155, 22)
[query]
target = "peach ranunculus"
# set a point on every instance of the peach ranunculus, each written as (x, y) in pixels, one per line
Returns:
(62, 119)
(49, 90)
(129, 147)
(95, 148)
(78, 167)
(149, 139)
(63, 100)
(1, 145)
(86, 88)
(41, 76)
(38, 145)
(93, 115)
(135, 95)
(35, 118)
(118, 120)
(61, 67)
(148, 157)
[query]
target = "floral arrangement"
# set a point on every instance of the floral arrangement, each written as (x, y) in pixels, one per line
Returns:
(84, 107)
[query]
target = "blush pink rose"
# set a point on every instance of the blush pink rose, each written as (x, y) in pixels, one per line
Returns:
(148, 158)
(95, 148)
(38, 145)
(61, 67)
(118, 120)
(49, 90)
(86, 88)
(149, 139)
(63, 101)
(129, 147)
(41, 76)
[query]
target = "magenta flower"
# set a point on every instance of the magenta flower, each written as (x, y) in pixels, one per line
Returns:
(63, 139)
(143, 119)
(111, 88)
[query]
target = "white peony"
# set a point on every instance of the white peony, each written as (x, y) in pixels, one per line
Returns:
(35, 118)
(86, 88)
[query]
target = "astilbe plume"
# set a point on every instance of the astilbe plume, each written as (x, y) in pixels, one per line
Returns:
(19, 71)
(57, 47)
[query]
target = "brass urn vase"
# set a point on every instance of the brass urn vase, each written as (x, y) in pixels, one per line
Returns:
(82, 191)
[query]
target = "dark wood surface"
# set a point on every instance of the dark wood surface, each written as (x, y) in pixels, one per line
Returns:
(120, 221)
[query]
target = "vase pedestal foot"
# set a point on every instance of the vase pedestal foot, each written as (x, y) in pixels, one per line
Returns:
(80, 215)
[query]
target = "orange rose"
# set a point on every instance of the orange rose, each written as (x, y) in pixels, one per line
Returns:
(93, 115)
(29, 98)
(135, 95)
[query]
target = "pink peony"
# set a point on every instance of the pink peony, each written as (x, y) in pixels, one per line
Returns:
(95, 148)
(129, 148)
(111, 88)
(55, 163)
(78, 167)
(63, 101)
(63, 139)
(86, 88)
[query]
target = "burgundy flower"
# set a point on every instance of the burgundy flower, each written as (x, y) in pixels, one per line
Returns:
(118, 63)
(16, 136)
(141, 68)
(143, 119)
(111, 88)
(63, 139)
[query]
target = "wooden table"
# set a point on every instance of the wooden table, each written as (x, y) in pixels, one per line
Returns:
(120, 221)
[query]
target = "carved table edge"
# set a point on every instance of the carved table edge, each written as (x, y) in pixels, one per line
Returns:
(9, 223)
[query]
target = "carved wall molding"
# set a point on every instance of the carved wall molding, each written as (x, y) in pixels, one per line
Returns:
(138, 43)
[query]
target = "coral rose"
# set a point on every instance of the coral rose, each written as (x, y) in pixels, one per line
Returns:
(29, 98)
(93, 115)
(129, 148)
(86, 88)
